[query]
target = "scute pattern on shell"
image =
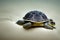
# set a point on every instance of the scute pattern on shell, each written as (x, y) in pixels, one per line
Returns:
(35, 16)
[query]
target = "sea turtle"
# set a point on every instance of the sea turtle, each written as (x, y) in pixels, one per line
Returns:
(35, 19)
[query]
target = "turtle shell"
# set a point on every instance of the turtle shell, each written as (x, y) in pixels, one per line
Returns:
(35, 16)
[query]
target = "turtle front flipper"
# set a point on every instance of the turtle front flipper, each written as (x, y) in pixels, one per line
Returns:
(27, 25)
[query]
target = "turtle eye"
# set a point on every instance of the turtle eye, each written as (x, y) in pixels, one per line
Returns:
(51, 20)
(53, 23)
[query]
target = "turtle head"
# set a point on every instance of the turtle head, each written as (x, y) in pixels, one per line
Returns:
(51, 23)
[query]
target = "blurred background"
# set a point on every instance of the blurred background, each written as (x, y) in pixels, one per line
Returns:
(14, 10)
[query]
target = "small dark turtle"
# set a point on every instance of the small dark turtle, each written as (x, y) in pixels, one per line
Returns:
(36, 19)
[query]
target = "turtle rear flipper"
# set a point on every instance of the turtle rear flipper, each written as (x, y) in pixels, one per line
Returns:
(20, 22)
